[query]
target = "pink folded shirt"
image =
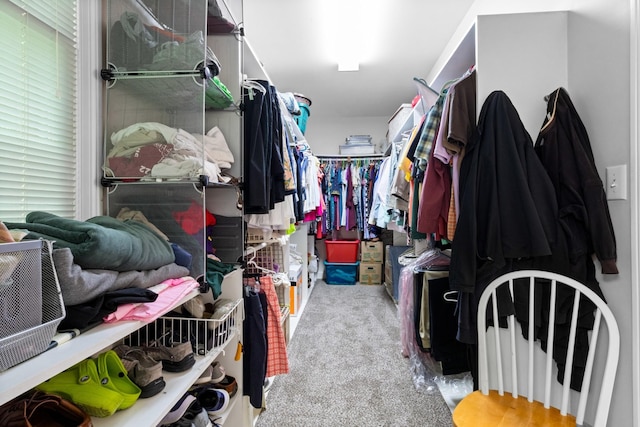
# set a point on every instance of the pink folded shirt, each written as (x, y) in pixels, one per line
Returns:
(169, 293)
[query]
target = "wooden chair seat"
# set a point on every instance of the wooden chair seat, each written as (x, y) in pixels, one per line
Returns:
(493, 410)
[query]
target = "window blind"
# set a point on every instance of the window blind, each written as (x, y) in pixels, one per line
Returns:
(37, 108)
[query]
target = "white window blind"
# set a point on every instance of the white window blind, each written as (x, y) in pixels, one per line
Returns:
(37, 108)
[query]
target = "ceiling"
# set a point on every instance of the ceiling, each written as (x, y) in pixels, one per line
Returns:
(407, 38)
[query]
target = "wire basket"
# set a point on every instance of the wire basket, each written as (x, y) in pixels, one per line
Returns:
(206, 335)
(31, 306)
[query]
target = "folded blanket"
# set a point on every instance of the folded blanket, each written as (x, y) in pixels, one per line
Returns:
(101, 242)
(79, 286)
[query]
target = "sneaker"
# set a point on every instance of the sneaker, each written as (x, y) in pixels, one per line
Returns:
(197, 415)
(179, 409)
(229, 384)
(205, 377)
(177, 358)
(142, 369)
(213, 374)
(214, 401)
(217, 373)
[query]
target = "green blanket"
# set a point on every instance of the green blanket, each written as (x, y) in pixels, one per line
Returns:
(101, 242)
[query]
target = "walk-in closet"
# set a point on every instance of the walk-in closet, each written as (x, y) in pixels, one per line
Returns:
(244, 213)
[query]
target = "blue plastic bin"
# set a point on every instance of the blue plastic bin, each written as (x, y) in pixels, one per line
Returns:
(339, 273)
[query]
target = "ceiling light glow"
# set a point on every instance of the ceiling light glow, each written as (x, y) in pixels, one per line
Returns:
(350, 39)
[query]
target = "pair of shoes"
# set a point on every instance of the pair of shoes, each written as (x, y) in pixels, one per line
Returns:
(229, 384)
(175, 358)
(214, 373)
(213, 400)
(38, 409)
(145, 371)
(187, 412)
(99, 387)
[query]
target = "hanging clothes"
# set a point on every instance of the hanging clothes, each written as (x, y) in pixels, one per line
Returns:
(565, 151)
(254, 347)
(584, 221)
(461, 127)
(347, 189)
(264, 172)
(277, 358)
(508, 209)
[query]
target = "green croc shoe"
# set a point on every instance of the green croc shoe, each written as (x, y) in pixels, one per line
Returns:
(113, 376)
(81, 385)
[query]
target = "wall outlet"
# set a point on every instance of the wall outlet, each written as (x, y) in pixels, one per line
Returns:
(616, 184)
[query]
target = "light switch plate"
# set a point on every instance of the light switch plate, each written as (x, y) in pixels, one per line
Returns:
(616, 184)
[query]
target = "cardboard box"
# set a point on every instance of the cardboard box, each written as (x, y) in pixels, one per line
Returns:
(371, 252)
(370, 273)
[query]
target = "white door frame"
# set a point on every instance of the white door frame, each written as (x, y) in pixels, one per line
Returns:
(634, 155)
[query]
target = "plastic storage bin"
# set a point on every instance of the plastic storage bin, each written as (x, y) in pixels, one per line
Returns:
(338, 273)
(342, 251)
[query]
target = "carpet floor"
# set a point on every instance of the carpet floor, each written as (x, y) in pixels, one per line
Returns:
(346, 367)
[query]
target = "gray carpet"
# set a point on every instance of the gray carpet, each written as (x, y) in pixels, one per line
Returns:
(346, 368)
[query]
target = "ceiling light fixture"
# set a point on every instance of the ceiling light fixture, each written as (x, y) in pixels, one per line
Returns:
(355, 41)
(346, 65)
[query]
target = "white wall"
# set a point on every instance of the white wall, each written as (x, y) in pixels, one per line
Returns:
(325, 135)
(599, 84)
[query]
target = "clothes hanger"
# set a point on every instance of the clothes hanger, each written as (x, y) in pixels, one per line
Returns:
(551, 113)
(451, 296)
(253, 86)
(252, 263)
(432, 260)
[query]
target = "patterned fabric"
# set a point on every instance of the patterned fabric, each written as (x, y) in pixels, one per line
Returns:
(277, 358)
(451, 218)
(429, 131)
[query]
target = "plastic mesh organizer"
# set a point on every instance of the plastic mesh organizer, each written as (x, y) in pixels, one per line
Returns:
(206, 335)
(31, 306)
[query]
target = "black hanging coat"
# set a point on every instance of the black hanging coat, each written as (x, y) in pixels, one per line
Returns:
(565, 151)
(508, 207)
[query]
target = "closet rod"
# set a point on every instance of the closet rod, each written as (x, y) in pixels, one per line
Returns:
(350, 156)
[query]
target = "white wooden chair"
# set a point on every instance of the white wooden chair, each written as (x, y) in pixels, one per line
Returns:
(493, 407)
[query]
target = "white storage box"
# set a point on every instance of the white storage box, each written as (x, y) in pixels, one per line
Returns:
(397, 121)
(357, 149)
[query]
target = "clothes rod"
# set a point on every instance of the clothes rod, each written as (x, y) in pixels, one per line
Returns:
(350, 156)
